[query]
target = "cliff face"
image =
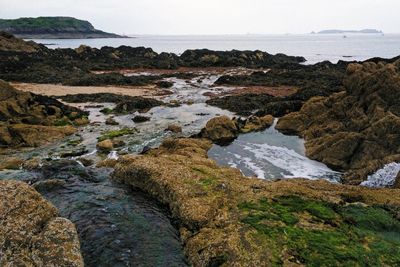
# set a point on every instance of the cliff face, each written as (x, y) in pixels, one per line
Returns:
(52, 27)
(358, 130)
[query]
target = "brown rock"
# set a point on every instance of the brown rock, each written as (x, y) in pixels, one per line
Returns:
(357, 131)
(397, 182)
(221, 130)
(81, 121)
(29, 120)
(111, 121)
(32, 164)
(105, 146)
(86, 162)
(12, 163)
(174, 128)
(24, 135)
(255, 123)
(107, 163)
(31, 234)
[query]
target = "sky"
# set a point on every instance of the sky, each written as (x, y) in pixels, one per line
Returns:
(216, 16)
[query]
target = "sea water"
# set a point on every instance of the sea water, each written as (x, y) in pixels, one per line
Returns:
(314, 47)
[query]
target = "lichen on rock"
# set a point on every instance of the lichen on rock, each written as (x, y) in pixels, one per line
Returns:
(31, 233)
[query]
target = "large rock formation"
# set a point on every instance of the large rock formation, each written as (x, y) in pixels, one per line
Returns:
(31, 233)
(357, 131)
(229, 220)
(27, 119)
(223, 130)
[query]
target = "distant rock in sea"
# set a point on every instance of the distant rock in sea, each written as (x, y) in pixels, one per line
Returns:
(349, 31)
(53, 28)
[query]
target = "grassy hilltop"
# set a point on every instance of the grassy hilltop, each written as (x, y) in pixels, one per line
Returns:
(52, 27)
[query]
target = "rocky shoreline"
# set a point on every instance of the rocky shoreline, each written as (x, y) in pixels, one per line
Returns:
(158, 144)
(230, 220)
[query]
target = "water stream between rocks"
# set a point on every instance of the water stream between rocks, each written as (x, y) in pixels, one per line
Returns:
(120, 227)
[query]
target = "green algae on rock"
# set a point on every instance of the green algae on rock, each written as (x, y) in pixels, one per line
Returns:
(230, 220)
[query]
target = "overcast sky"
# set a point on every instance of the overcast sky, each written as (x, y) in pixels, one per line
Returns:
(216, 16)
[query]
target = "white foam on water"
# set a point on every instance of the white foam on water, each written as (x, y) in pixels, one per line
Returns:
(259, 172)
(384, 177)
(113, 155)
(289, 161)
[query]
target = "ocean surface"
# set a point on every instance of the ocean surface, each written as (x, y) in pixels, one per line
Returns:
(314, 47)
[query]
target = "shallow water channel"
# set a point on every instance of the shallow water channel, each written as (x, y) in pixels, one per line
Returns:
(120, 227)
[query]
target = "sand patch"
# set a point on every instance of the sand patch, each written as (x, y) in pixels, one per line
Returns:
(60, 90)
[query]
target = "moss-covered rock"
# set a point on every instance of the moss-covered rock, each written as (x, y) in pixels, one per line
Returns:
(230, 220)
(116, 133)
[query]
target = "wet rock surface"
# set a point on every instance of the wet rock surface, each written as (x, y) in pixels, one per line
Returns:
(358, 130)
(227, 219)
(31, 233)
(321, 79)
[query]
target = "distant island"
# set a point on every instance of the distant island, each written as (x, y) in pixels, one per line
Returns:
(53, 28)
(349, 31)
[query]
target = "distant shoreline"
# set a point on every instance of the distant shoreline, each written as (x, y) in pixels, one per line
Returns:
(53, 28)
(335, 31)
(68, 37)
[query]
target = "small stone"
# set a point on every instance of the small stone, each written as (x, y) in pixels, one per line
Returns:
(12, 163)
(105, 146)
(397, 181)
(107, 163)
(174, 128)
(86, 162)
(49, 185)
(111, 121)
(140, 119)
(32, 164)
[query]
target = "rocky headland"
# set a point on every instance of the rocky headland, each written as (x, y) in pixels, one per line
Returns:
(53, 28)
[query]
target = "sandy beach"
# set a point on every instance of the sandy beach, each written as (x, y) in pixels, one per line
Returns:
(60, 90)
